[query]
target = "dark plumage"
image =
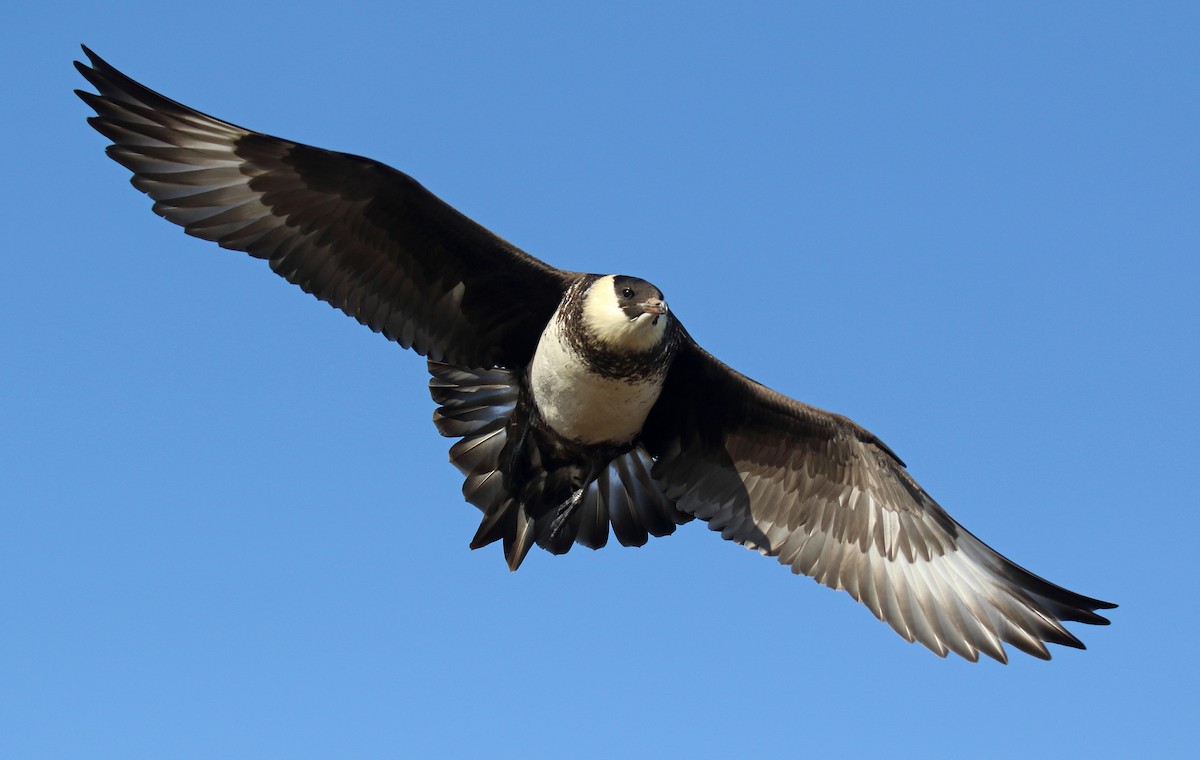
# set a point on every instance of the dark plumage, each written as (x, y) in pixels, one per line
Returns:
(579, 401)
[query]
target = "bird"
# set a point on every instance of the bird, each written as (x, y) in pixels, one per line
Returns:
(580, 403)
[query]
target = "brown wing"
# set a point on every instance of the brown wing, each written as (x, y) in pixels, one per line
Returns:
(831, 501)
(355, 233)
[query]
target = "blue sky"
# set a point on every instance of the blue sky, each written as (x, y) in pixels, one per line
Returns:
(228, 528)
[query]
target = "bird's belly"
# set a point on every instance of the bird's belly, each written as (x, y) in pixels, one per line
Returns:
(583, 406)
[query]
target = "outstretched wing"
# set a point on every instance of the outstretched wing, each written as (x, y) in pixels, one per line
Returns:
(831, 501)
(366, 238)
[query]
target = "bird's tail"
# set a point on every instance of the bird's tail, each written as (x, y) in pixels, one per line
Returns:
(519, 480)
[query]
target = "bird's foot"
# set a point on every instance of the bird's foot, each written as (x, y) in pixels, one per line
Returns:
(564, 512)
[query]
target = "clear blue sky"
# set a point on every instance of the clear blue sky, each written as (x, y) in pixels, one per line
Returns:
(228, 528)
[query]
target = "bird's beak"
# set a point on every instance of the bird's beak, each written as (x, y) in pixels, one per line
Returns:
(654, 306)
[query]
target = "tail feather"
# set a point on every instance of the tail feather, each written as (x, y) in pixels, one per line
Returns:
(519, 541)
(493, 525)
(592, 530)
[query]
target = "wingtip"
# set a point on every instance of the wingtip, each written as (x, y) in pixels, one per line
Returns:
(96, 67)
(92, 74)
(1087, 613)
(93, 59)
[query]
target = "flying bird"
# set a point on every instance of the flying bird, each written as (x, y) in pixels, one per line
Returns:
(579, 401)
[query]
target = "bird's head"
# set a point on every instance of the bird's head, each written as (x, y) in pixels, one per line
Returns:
(625, 313)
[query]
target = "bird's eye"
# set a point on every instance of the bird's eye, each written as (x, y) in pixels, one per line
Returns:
(627, 292)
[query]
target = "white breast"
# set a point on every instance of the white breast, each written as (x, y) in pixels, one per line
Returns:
(581, 405)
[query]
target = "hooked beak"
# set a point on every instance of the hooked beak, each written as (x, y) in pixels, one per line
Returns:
(654, 306)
